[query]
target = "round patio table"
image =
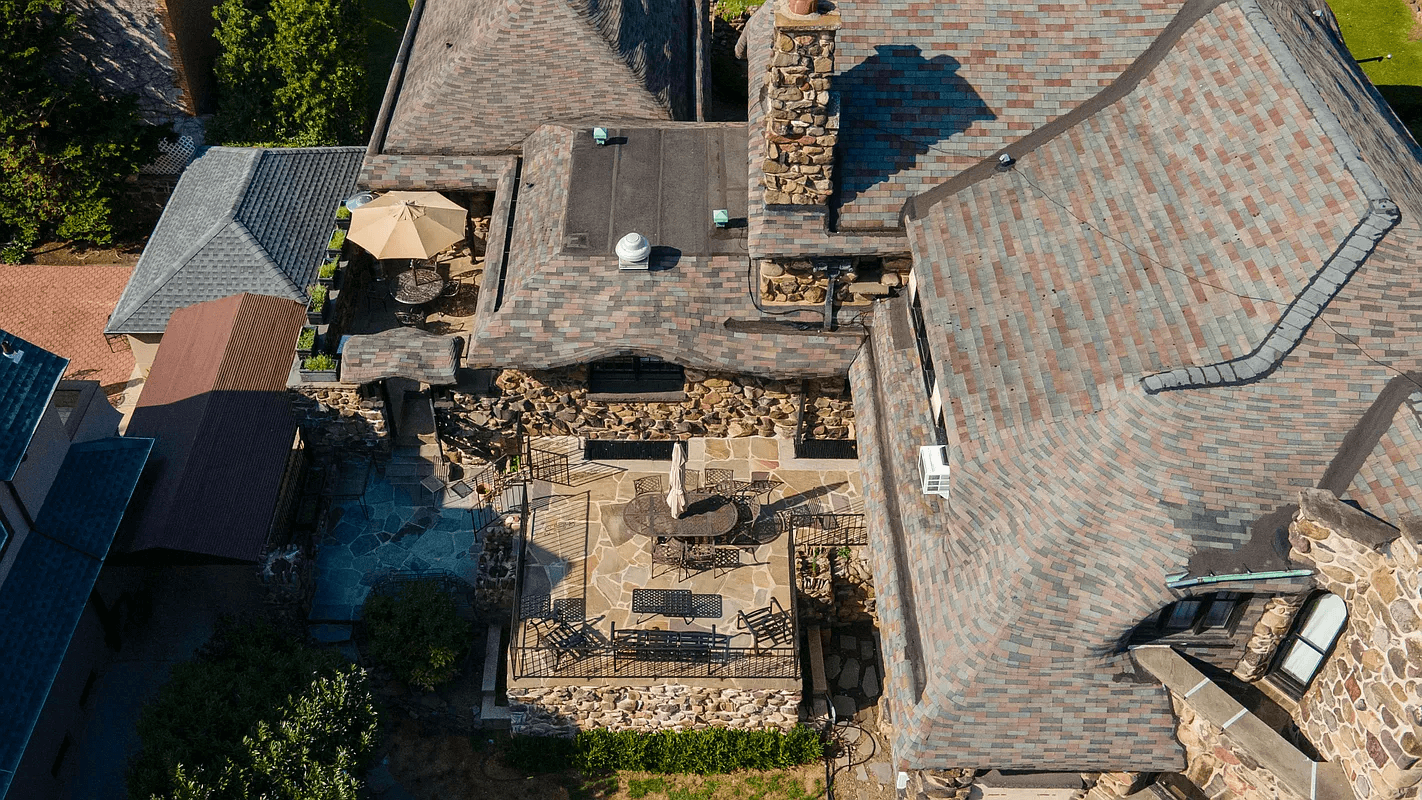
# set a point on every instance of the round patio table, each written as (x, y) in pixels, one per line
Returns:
(707, 516)
(415, 287)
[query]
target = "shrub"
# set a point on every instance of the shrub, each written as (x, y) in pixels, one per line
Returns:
(417, 633)
(709, 751)
(255, 714)
(342, 212)
(338, 238)
(307, 339)
(318, 297)
(328, 269)
(320, 362)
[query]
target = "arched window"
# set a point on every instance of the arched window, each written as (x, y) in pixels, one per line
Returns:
(1315, 631)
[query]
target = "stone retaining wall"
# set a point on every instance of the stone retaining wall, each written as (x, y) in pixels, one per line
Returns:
(564, 710)
(1218, 766)
(340, 418)
(555, 403)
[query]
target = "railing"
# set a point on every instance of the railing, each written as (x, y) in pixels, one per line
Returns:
(545, 465)
(599, 661)
(829, 530)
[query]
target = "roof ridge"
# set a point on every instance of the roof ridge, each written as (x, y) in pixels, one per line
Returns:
(582, 9)
(271, 263)
(230, 216)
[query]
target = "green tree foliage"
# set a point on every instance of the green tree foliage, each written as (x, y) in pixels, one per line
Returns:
(256, 715)
(65, 148)
(417, 633)
(290, 72)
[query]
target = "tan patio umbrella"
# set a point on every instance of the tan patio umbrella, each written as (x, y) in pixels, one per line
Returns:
(676, 498)
(407, 224)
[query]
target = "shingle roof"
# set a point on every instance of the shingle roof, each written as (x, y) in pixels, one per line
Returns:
(1051, 292)
(561, 308)
(215, 400)
(928, 88)
(483, 74)
(44, 593)
(240, 220)
(400, 353)
(25, 388)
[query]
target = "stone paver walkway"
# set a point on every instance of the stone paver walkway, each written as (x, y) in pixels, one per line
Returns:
(389, 533)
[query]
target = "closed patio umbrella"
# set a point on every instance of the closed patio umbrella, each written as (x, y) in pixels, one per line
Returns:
(676, 498)
(407, 224)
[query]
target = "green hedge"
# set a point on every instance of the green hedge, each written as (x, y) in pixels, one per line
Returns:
(710, 751)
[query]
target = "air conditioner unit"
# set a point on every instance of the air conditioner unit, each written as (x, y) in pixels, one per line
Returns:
(933, 469)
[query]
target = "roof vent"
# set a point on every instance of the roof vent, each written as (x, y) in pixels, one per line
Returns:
(600, 136)
(8, 351)
(633, 251)
(1005, 161)
(933, 469)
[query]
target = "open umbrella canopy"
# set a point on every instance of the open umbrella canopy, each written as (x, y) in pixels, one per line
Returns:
(407, 224)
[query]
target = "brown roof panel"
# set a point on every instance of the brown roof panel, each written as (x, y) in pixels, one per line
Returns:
(215, 401)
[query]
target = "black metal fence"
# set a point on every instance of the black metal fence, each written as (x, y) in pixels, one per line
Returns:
(627, 449)
(829, 530)
(601, 661)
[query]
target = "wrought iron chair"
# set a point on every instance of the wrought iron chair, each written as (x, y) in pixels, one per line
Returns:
(720, 559)
(563, 640)
(771, 624)
(671, 555)
(410, 318)
(713, 479)
(648, 485)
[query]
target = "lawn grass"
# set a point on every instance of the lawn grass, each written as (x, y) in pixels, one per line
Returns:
(795, 784)
(1374, 28)
(386, 28)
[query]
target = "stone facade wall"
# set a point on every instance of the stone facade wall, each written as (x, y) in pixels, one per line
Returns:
(1268, 632)
(340, 418)
(1364, 707)
(555, 403)
(792, 281)
(1220, 767)
(564, 710)
(801, 125)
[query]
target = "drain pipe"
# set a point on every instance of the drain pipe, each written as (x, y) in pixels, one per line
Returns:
(829, 734)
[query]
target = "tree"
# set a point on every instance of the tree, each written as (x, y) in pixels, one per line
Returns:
(290, 72)
(417, 633)
(66, 149)
(256, 715)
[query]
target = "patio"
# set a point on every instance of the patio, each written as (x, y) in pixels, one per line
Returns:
(376, 530)
(587, 573)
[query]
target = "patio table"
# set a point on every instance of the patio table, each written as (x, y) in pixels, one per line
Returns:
(418, 286)
(707, 516)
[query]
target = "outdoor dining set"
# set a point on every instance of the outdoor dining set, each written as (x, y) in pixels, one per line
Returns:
(404, 232)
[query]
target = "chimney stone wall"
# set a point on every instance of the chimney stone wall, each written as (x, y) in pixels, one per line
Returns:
(802, 119)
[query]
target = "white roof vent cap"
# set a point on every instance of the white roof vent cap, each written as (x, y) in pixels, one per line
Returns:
(633, 251)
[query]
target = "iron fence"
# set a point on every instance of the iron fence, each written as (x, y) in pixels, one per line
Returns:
(806, 446)
(600, 660)
(829, 530)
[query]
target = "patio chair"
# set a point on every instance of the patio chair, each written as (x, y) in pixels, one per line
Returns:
(410, 318)
(715, 478)
(669, 554)
(719, 559)
(377, 291)
(648, 485)
(771, 624)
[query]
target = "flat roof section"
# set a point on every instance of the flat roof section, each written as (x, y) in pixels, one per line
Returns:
(663, 183)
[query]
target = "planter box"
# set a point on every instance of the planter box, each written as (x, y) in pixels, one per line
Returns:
(317, 317)
(303, 352)
(320, 376)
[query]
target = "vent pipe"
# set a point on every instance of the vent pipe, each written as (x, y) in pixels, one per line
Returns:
(633, 251)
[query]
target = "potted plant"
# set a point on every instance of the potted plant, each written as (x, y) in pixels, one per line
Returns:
(316, 308)
(326, 276)
(306, 342)
(319, 368)
(337, 241)
(343, 216)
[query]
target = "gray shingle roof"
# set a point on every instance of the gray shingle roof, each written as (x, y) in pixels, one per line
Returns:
(240, 220)
(1049, 293)
(44, 593)
(25, 388)
(483, 74)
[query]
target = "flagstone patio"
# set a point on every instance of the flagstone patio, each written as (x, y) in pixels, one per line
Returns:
(382, 532)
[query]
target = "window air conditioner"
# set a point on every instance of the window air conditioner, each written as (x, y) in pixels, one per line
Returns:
(933, 469)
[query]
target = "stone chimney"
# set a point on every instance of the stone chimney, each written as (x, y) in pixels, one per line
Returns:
(802, 119)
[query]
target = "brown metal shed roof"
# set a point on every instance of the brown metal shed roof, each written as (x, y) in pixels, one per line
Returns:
(215, 401)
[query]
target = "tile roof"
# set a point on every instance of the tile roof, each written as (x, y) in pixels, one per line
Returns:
(926, 89)
(483, 74)
(44, 593)
(560, 309)
(240, 220)
(64, 309)
(400, 353)
(215, 401)
(25, 388)
(1050, 293)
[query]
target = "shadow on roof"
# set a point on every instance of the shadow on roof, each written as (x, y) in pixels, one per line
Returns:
(897, 106)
